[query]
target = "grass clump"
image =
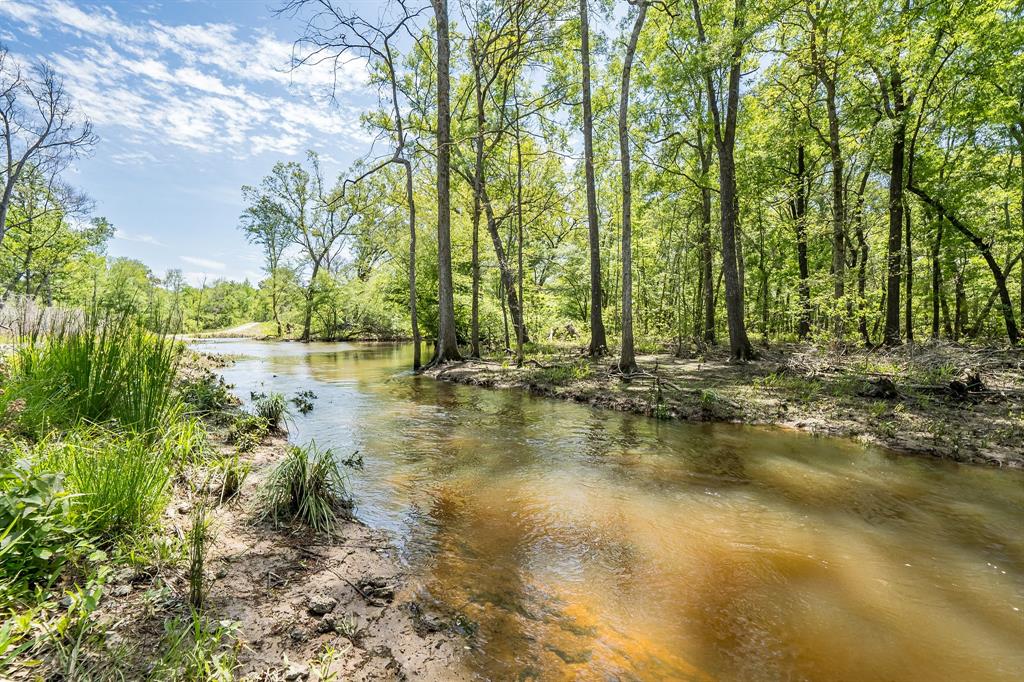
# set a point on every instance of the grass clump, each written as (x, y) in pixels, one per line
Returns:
(308, 486)
(104, 368)
(231, 473)
(273, 408)
(199, 537)
(561, 375)
(120, 482)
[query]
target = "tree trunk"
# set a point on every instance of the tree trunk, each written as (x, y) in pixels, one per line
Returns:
(707, 257)
(478, 178)
(447, 347)
(798, 208)
(507, 276)
(894, 273)
(307, 319)
(1006, 304)
(936, 276)
(838, 207)
(413, 316)
(910, 281)
(598, 340)
(627, 359)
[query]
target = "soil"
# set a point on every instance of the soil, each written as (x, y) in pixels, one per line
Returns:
(938, 399)
(292, 595)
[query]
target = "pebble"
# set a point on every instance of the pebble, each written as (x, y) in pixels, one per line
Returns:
(320, 604)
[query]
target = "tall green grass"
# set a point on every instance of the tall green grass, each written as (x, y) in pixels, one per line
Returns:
(121, 482)
(308, 486)
(103, 366)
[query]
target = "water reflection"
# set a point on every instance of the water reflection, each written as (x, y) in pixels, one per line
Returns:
(590, 544)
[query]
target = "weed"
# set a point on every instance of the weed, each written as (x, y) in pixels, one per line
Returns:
(248, 431)
(273, 408)
(303, 401)
(197, 648)
(207, 394)
(348, 627)
(199, 537)
(306, 485)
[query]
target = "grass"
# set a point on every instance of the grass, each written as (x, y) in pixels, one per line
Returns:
(561, 375)
(273, 408)
(307, 486)
(120, 482)
(199, 537)
(105, 368)
(248, 431)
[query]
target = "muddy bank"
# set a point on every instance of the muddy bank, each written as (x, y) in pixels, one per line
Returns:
(299, 605)
(936, 399)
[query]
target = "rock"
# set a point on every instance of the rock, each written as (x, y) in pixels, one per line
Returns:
(320, 604)
(121, 591)
(298, 635)
(296, 671)
(376, 590)
(881, 388)
(327, 624)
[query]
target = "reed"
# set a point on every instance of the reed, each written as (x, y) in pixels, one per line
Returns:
(307, 485)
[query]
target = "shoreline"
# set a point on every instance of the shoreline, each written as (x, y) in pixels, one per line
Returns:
(912, 401)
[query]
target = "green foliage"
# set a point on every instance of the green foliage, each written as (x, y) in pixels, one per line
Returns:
(273, 408)
(197, 648)
(231, 473)
(104, 368)
(307, 485)
(120, 482)
(36, 537)
(206, 394)
(562, 374)
(248, 431)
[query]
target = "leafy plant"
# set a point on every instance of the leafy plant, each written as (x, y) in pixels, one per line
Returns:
(307, 485)
(248, 431)
(36, 538)
(198, 648)
(206, 394)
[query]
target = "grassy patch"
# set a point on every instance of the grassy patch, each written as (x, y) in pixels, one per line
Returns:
(307, 486)
(561, 375)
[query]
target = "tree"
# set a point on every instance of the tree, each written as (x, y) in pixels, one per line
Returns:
(266, 225)
(724, 110)
(38, 127)
(627, 360)
(447, 347)
(598, 342)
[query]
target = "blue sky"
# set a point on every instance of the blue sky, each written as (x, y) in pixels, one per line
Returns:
(191, 100)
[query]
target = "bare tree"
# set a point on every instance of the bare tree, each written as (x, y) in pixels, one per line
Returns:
(332, 36)
(38, 127)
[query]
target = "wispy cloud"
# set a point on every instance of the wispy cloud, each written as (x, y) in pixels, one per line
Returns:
(204, 262)
(206, 87)
(139, 238)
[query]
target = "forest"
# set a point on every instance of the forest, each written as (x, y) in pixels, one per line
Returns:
(782, 240)
(736, 173)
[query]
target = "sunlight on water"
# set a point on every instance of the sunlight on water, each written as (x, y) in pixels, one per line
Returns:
(587, 544)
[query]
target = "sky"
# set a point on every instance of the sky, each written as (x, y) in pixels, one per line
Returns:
(190, 100)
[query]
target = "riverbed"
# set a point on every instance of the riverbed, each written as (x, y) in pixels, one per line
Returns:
(568, 541)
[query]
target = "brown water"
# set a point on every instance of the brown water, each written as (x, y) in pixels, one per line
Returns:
(588, 544)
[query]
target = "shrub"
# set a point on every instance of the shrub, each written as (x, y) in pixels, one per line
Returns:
(207, 394)
(36, 538)
(306, 485)
(121, 481)
(247, 432)
(272, 407)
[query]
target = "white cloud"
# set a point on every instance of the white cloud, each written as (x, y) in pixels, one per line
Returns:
(205, 87)
(140, 238)
(204, 262)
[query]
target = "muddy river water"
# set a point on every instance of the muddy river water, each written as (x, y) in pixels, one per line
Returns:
(579, 543)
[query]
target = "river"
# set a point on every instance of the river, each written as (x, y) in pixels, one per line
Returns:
(580, 543)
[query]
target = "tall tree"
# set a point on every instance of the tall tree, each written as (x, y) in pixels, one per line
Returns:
(447, 346)
(627, 359)
(724, 111)
(598, 341)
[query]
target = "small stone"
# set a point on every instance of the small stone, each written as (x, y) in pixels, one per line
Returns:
(121, 591)
(298, 635)
(326, 625)
(296, 671)
(320, 604)
(221, 572)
